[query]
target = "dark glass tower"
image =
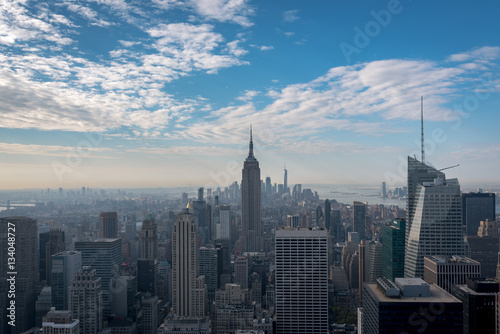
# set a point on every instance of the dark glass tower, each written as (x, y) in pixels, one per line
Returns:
(393, 249)
(251, 203)
(108, 225)
(22, 273)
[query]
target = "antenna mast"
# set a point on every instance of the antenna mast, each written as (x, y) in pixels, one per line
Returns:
(422, 126)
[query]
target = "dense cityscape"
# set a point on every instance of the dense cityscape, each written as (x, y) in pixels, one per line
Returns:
(249, 167)
(255, 257)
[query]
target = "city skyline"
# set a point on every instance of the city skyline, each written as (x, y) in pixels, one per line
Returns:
(161, 94)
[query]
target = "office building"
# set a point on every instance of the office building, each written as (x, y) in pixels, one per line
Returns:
(25, 267)
(251, 238)
(149, 239)
(105, 256)
(328, 215)
(370, 263)
(484, 247)
(418, 173)
(436, 227)
(301, 281)
(359, 219)
(241, 271)
(384, 190)
(60, 322)
(478, 298)
(147, 276)
(292, 221)
(477, 207)
(210, 266)
(222, 222)
(393, 249)
(149, 321)
(125, 299)
(409, 305)
(65, 265)
(51, 243)
(85, 300)
(188, 289)
(108, 225)
(446, 271)
(337, 229)
(43, 305)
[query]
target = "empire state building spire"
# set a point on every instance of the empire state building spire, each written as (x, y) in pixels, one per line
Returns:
(250, 157)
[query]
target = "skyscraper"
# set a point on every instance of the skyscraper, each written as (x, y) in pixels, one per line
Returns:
(147, 276)
(108, 225)
(484, 248)
(393, 249)
(409, 306)
(328, 210)
(149, 239)
(301, 281)
(285, 180)
(85, 300)
(51, 243)
(241, 271)
(189, 291)
(359, 217)
(418, 173)
(477, 207)
(65, 265)
(436, 227)
(251, 203)
(105, 256)
(19, 241)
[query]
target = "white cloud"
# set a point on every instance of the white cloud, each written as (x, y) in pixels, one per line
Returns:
(236, 11)
(52, 150)
(483, 54)
(265, 48)
(248, 95)
(363, 98)
(17, 24)
(291, 15)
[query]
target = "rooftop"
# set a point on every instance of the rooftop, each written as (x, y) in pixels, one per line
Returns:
(451, 259)
(437, 295)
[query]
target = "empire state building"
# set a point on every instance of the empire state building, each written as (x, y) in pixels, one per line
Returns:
(250, 239)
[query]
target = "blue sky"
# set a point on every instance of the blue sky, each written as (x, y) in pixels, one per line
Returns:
(115, 93)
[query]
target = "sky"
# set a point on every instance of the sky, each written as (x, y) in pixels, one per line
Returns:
(162, 93)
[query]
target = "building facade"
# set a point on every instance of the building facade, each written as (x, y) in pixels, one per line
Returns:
(436, 227)
(393, 249)
(189, 291)
(18, 241)
(301, 281)
(85, 300)
(446, 271)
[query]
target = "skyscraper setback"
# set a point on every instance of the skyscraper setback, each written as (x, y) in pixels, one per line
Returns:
(251, 203)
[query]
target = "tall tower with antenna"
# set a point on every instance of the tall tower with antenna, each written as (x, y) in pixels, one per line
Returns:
(250, 240)
(422, 127)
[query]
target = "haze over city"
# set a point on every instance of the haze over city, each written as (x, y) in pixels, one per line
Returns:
(162, 93)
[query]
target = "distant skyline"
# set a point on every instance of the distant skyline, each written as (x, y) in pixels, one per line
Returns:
(161, 93)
